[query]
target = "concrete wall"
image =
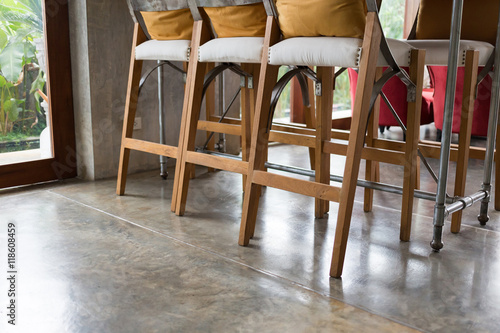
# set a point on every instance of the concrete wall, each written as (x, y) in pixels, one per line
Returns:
(101, 39)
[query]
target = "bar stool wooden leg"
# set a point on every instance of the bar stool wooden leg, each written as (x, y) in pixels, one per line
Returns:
(173, 203)
(253, 94)
(130, 109)
(260, 135)
(192, 171)
(324, 105)
(417, 63)
(247, 111)
(258, 155)
(210, 109)
(253, 105)
(417, 181)
(469, 93)
(309, 115)
(371, 167)
(371, 44)
(190, 116)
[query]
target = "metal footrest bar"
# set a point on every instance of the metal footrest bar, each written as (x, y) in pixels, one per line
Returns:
(464, 202)
(362, 183)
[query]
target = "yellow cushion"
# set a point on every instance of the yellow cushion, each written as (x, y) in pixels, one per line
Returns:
(479, 21)
(169, 25)
(238, 21)
(339, 18)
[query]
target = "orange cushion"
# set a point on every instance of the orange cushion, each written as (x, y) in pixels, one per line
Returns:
(169, 25)
(238, 21)
(479, 21)
(340, 18)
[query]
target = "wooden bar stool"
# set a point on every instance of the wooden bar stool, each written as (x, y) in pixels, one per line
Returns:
(240, 27)
(238, 49)
(162, 33)
(359, 48)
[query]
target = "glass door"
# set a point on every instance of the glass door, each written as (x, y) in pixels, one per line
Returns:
(36, 113)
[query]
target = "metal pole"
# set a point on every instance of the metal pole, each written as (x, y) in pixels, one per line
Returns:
(439, 208)
(221, 145)
(362, 183)
(492, 133)
(163, 159)
(465, 202)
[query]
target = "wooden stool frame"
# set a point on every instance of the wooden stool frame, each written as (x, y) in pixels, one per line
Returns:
(188, 156)
(128, 143)
(320, 188)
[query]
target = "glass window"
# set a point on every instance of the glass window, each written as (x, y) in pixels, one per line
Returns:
(24, 119)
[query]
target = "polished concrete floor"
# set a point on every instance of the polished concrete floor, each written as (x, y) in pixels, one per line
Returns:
(90, 261)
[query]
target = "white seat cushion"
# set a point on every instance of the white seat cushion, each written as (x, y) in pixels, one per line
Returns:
(331, 51)
(171, 50)
(437, 51)
(232, 49)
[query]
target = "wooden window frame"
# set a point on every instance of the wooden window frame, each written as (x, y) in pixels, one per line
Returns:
(59, 86)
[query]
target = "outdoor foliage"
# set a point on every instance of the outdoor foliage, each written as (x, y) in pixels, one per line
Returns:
(392, 18)
(21, 23)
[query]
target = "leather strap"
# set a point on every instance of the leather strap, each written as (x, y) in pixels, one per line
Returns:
(195, 12)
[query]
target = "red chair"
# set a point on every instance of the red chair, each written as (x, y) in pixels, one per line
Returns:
(481, 105)
(479, 24)
(395, 92)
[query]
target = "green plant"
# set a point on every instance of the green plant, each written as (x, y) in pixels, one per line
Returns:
(9, 106)
(342, 95)
(392, 18)
(21, 22)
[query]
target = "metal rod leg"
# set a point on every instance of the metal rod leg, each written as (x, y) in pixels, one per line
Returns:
(163, 159)
(492, 127)
(439, 208)
(222, 106)
(483, 210)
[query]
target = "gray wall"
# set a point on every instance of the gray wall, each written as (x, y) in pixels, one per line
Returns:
(101, 40)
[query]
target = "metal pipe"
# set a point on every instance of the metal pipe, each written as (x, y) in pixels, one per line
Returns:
(451, 80)
(492, 132)
(222, 107)
(362, 183)
(464, 202)
(161, 120)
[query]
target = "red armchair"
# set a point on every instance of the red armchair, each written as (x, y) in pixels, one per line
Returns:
(395, 92)
(481, 105)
